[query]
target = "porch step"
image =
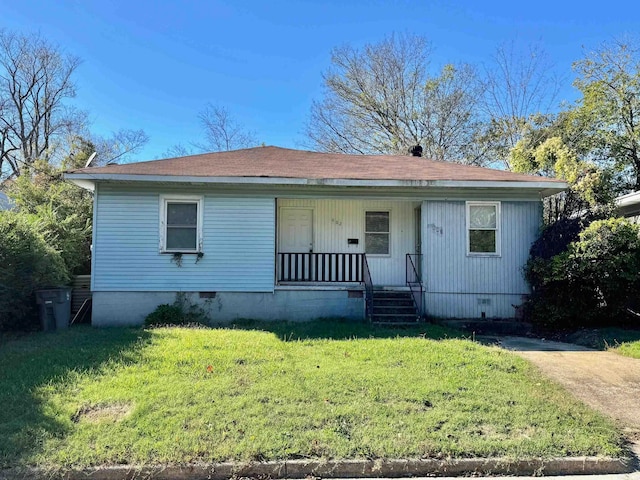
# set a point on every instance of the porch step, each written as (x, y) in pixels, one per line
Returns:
(393, 302)
(395, 324)
(378, 292)
(395, 318)
(392, 298)
(393, 310)
(393, 307)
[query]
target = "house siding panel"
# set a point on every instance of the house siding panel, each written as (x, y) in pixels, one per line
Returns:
(462, 286)
(238, 244)
(335, 221)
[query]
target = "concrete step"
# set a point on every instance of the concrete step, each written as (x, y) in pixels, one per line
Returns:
(391, 294)
(393, 307)
(394, 324)
(394, 304)
(393, 298)
(398, 309)
(394, 318)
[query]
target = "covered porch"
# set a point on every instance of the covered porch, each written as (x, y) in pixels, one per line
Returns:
(369, 245)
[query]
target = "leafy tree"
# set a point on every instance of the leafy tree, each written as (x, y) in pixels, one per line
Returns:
(35, 81)
(382, 99)
(609, 79)
(550, 146)
(63, 210)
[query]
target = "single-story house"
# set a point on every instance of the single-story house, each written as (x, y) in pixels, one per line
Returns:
(628, 206)
(275, 233)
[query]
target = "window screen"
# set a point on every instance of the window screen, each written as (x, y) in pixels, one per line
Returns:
(182, 226)
(483, 228)
(376, 237)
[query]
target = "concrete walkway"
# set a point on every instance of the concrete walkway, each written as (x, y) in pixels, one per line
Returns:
(608, 382)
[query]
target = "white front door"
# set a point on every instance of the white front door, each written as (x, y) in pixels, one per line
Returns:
(296, 230)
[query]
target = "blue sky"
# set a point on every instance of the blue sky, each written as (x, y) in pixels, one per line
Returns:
(155, 64)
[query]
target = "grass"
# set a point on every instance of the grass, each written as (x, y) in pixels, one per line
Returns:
(263, 391)
(623, 341)
(629, 349)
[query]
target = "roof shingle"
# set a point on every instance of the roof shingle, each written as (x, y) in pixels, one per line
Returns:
(287, 163)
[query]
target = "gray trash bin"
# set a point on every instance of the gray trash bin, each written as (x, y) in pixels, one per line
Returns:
(55, 308)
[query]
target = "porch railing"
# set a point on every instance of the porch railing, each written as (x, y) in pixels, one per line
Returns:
(320, 267)
(368, 288)
(414, 280)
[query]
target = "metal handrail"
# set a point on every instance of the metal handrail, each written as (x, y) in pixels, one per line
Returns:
(368, 288)
(414, 281)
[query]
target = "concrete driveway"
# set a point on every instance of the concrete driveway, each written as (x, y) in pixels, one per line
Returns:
(608, 382)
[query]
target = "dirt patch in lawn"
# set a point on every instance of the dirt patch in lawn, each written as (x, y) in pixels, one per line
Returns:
(112, 412)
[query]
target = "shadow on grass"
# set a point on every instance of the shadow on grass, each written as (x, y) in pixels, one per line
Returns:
(31, 364)
(341, 329)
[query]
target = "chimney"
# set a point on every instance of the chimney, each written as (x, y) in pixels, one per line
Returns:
(416, 151)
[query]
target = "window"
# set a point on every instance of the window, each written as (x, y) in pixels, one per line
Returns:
(483, 227)
(180, 224)
(376, 233)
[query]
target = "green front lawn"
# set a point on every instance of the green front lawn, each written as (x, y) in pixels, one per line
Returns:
(264, 391)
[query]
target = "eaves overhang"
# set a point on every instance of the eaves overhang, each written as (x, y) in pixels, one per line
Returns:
(544, 187)
(628, 200)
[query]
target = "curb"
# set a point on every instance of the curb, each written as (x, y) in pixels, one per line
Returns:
(339, 469)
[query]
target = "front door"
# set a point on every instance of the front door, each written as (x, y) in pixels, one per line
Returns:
(295, 244)
(296, 230)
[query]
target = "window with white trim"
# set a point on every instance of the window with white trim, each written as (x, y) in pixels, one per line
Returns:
(483, 228)
(180, 224)
(376, 233)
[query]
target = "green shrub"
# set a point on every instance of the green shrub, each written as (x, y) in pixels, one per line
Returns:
(27, 263)
(64, 210)
(592, 282)
(607, 258)
(165, 314)
(181, 312)
(555, 238)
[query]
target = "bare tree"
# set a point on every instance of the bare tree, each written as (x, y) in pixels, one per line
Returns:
(383, 100)
(520, 83)
(119, 147)
(222, 131)
(448, 122)
(178, 150)
(35, 79)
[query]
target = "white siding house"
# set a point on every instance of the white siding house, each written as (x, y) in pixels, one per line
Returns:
(628, 206)
(238, 241)
(461, 285)
(283, 234)
(335, 221)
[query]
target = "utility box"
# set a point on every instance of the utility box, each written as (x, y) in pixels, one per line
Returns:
(55, 308)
